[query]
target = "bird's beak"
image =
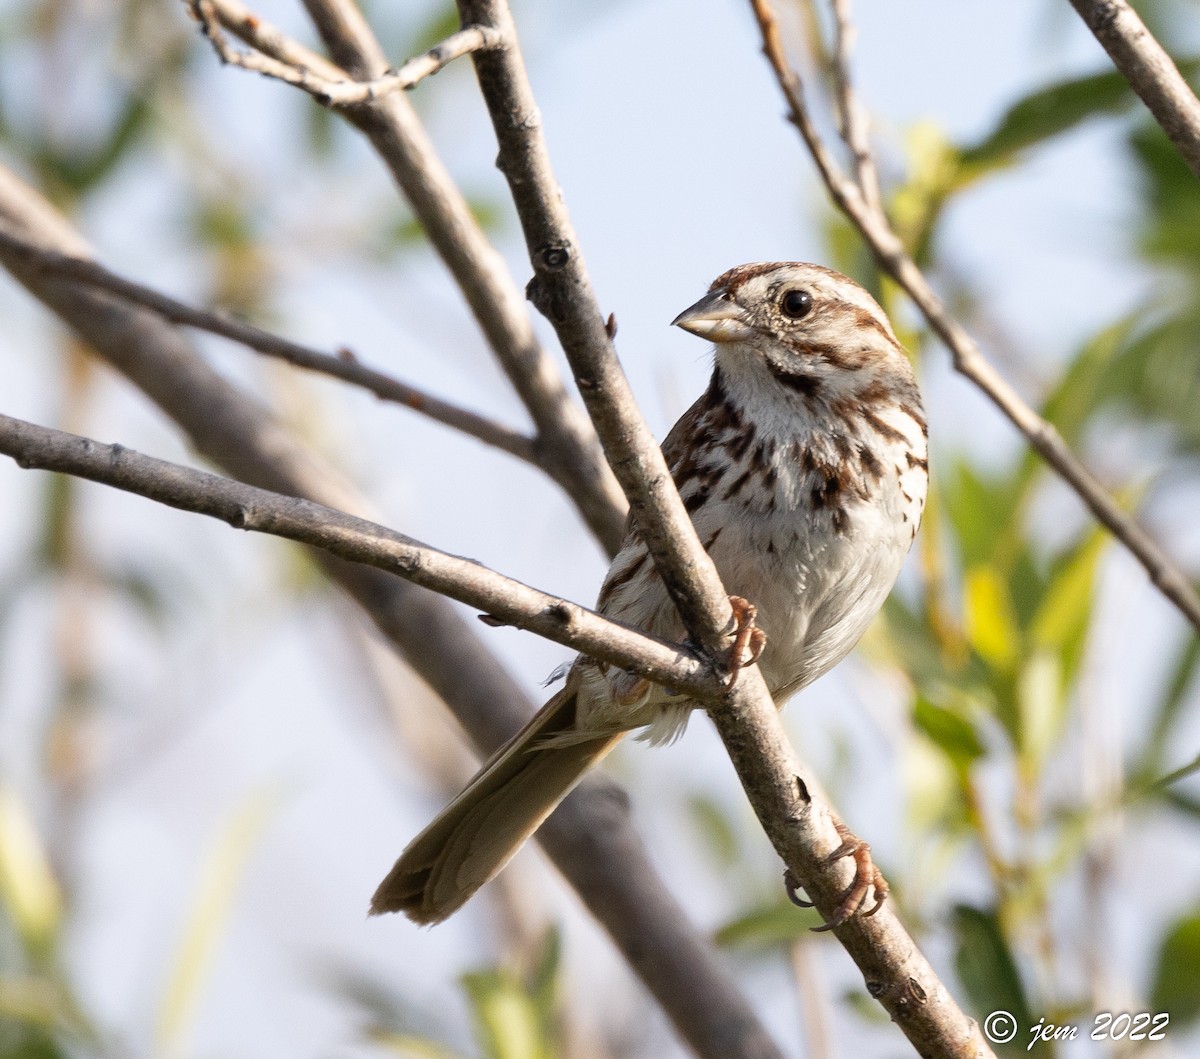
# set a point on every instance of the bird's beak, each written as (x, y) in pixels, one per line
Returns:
(716, 317)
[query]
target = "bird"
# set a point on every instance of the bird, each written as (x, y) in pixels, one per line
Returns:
(804, 469)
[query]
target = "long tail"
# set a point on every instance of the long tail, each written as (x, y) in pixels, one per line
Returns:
(478, 832)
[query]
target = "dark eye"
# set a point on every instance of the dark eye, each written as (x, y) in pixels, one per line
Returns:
(796, 303)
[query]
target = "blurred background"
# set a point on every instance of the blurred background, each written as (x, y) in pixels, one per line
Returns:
(207, 760)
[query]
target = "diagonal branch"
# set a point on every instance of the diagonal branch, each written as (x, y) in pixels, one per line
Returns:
(799, 826)
(345, 366)
(562, 291)
(590, 836)
(333, 91)
(357, 540)
(566, 444)
(968, 358)
(1149, 70)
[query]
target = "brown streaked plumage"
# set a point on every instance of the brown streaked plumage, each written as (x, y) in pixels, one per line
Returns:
(804, 469)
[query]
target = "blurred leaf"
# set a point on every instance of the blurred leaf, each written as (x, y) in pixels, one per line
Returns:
(991, 623)
(1183, 674)
(1172, 207)
(209, 918)
(544, 982)
(986, 966)
(982, 511)
(952, 733)
(934, 783)
(1064, 616)
(1043, 114)
(1041, 707)
(916, 205)
(1080, 389)
(1176, 987)
(507, 1021)
(412, 1047)
(1156, 374)
(30, 1000)
(518, 1019)
(28, 888)
(767, 927)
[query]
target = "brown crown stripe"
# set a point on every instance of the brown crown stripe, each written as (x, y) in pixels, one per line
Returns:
(735, 277)
(916, 461)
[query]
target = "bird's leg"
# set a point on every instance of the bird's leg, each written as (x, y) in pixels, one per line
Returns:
(748, 639)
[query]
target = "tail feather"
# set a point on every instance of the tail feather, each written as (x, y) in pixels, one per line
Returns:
(478, 832)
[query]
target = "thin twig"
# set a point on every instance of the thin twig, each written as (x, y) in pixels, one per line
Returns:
(567, 447)
(855, 122)
(269, 39)
(341, 92)
(357, 540)
(1149, 70)
(344, 367)
(967, 357)
(590, 837)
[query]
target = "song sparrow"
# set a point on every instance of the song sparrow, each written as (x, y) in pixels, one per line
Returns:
(804, 470)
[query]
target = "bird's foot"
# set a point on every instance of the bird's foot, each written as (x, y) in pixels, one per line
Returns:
(748, 639)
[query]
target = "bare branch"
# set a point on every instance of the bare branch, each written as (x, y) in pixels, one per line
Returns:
(562, 291)
(855, 122)
(967, 357)
(567, 445)
(340, 92)
(344, 366)
(271, 40)
(799, 826)
(359, 541)
(590, 836)
(1149, 70)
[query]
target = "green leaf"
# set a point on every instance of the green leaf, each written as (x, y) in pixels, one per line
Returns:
(28, 888)
(985, 964)
(1041, 707)
(213, 905)
(983, 512)
(953, 733)
(767, 927)
(545, 980)
(991, 621)
(1046, 113)
(1183, 673)
(507, 1022)
(1176, 987)
(1061, 622)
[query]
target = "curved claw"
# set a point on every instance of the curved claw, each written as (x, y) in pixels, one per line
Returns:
(791, 884)
(867, 877)
(748, 639)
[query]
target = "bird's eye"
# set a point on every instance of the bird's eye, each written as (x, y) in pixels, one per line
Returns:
(796, 303)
